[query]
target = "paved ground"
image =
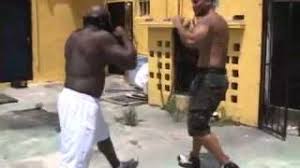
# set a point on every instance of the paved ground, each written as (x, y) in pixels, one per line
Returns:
(28, 138)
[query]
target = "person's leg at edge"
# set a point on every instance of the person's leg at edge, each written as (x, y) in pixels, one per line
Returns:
(211, 143)
(196, 147)
(107, 148)
(202, 134)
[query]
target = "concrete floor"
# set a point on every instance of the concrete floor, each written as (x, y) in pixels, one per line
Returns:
(28, 138)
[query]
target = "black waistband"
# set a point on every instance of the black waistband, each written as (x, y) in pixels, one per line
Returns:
(212, 70)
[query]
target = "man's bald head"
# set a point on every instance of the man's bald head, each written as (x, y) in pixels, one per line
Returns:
(97, 11)
(201, 7)
(98, 16)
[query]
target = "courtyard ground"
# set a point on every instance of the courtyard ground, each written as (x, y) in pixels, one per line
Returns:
(28, 138)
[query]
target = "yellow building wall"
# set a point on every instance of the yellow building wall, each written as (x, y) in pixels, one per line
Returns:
(162, 9)
(161, 68)
(186, 8)
(52, 23)
(250, 58)
(141, 36)
(159, 11)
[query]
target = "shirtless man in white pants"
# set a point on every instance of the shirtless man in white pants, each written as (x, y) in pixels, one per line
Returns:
(87, 52)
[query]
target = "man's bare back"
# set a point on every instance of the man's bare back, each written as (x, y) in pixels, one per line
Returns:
(88, 51)
(84, 68)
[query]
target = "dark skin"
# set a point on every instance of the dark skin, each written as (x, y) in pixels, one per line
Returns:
(87, 52)
(208, 34)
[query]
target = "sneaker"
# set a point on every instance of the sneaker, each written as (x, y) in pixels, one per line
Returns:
(192, 162)
(129, 164)
(231, 165)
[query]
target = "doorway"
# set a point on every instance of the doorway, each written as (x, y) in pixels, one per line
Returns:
(281, 88)
(121, 15)
(15, 41)
(185, 62)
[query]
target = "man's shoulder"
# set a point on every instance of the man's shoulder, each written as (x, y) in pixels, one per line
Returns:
(77, 36)
(90, 35)
(100, 38)
(76, 33)
(219, 20)
(101, 35)
(217, 23)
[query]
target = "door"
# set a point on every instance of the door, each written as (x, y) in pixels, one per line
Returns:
(121, 15)
(279, 58)
(15, 43)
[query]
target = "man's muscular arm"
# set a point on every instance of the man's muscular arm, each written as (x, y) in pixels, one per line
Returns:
(191, 38)
(123, 55)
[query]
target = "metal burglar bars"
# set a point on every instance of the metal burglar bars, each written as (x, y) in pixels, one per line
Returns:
(274, 118)
(144, 7)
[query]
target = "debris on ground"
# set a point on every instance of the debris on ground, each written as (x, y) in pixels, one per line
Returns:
(127, 99)
(129, 117)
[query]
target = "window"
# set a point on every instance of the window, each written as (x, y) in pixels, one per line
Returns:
(144, 6)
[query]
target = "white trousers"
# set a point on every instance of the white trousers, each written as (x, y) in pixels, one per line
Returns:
(82, 126)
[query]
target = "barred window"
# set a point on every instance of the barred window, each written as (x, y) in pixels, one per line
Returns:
(144, 6)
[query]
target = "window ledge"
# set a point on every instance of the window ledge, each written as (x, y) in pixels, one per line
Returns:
(236, 24)
(144, 18)
(162, 24)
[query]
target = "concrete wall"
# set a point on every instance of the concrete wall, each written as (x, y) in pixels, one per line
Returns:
(159, 10)
(250, 57)
(52, 23)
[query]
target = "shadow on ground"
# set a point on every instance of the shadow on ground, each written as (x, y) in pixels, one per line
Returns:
(26, 134)
(29, 164)
(28, 119)
(208, 161)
